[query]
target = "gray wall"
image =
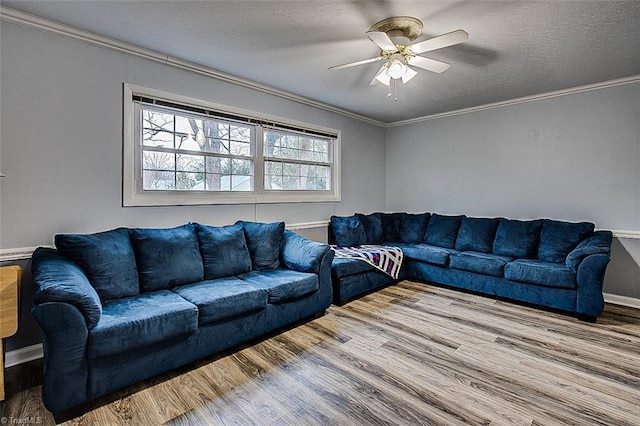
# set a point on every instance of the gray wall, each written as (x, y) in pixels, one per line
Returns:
(573, 157)
(61, 145)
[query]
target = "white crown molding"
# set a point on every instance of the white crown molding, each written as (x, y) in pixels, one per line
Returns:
(32, 21)
(526, 99)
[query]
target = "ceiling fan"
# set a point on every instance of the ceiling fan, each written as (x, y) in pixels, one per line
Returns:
(393, 36)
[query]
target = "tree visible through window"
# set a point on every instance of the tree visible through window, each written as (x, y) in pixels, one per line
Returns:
(296, 161)
(183, 151)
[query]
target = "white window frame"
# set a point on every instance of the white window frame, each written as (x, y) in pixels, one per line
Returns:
(134, 195)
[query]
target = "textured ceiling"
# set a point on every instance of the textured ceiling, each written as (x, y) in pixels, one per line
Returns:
(515, 48)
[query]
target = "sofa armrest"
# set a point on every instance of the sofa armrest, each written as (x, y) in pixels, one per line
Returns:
(598, 243)
(58, 279)
(589, 279)
(301, 254)
(66, 369)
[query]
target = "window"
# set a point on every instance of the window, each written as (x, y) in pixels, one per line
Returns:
(180, 151)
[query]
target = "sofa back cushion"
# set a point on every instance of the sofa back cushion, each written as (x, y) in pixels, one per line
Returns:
(263, 241)
(518, 239)
(348, 230)
(167, 257)
(558, 238)
(477, 234)
(107, 259)
(413, 227)
(442, 231)
(372, 224)
(224, 251)
(391, 226)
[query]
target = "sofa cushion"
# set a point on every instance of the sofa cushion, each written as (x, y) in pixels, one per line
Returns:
(426, 253)
(106, 258)
(283, 285)
(342, 267)
(598, 243)
(482, 263)
(517, 238)
(348, 230)
(477, 234)
(442, 231)
(224, 251)
(413, 227)
(391, 226)
(302, 254)
(133, 322)
(558, 239)
(264, 240)
(539, 272)
(57, 279)
(167, 257)
(372, 224)
(223, 298)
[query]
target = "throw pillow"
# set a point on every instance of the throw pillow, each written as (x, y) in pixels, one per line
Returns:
(413, 227)
(167, 257)
(442, 231)
(224, 251)
(348, 230)
(372, 224)
(476, 234)
(558, 238)
(517, 238)
(107, 259)
(263, 241)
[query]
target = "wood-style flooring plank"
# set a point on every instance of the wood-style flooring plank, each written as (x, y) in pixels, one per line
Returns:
(410, 353)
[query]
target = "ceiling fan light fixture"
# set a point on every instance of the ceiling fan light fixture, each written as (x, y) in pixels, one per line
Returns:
(397, 68)
(383, 76)
(408, 75)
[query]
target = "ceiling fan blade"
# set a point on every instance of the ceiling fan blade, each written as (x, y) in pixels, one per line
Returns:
(353, 64)
(382, 40)
(449, 39)
(429, 64)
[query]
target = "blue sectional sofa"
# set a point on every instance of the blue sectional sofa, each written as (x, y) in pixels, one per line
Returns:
(121, 306)
(547, 263)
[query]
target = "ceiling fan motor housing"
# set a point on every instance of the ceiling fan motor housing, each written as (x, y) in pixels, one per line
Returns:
(404, 28)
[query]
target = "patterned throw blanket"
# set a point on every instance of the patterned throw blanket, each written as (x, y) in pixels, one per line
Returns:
(385, 258)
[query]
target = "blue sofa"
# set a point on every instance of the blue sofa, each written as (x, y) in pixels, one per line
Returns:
(544, 262)
(121, 306)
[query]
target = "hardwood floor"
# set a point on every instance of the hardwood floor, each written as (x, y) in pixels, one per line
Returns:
(408, 354)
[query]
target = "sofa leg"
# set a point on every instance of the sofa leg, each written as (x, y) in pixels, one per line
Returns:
(587, 318)
(71, 413)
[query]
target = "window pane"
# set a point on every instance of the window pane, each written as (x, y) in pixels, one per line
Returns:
(240, 148)
(158, 138)
(190, 163)
(152, 160)
(190, 181)
(156, 120)
(158, 180)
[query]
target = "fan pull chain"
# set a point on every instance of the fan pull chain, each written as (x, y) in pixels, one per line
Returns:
(395, 90)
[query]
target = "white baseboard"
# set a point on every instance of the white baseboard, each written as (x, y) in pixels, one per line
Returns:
(615, 299)
(22, 355)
